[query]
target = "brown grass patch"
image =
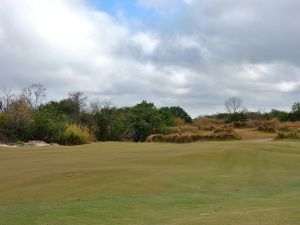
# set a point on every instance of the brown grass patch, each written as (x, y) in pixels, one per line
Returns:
(222, 133)
(207, 123)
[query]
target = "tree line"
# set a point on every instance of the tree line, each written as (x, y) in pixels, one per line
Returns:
(26, 116)
(237, 112)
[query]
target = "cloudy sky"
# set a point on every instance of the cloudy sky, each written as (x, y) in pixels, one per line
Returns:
(192, 53)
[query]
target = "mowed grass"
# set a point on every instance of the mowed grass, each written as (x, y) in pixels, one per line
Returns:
(209, 183)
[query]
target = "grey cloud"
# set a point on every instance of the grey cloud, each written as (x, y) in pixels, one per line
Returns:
(203, 53)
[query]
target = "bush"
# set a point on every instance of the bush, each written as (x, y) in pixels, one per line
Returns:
(220, 134)
(238, 116)
(289, 130)
(6, 127)
(178, 112)
(76, 135)
(184, 129)
(109, 124)
(244, 124)
(288, 135)
(268, 125)
(206, 123)
(46, 126)
(144, 120)
(4, 139)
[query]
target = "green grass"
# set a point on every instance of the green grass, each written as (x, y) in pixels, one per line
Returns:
(209, 183)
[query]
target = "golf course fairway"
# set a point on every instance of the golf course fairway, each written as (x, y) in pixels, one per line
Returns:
(115, 183)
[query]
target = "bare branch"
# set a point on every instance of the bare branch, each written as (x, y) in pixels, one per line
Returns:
(79, 98)
(34, 95)
(233, 104)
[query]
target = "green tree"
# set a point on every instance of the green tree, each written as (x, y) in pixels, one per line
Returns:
(179, 112)
(295, 114)
(145, 120)
(65, 106)
(281, 115)
(46, 126)
(167, 117)
(109, 124)
(296, 107)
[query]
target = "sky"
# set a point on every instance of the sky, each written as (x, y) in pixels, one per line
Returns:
(191, 53)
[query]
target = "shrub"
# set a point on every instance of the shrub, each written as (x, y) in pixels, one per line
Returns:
(109, 124)
(206, 123)
(289, 130)
(178, 112)
(185, 129)
(76, 135)
(244, 124)
(225, 132)
(6, 127)
(266, 125)
(288, 135)
(144, 120)
(46, 126)
(4, 139)
(178, 121)
(237, 116)
(193, 137)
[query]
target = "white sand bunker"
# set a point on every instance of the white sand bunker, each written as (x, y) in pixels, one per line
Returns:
(8, 146)
(29, 143)
(36, 143)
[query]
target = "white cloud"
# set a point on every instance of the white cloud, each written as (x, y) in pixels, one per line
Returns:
(147, 42)
(287, 86)
(196, 57)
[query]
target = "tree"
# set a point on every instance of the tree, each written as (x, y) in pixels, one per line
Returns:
(46, 125)
(233, 104)
(167, 116)
(281, 115)
(178, 112)
(79, 99)
(21, 114)
(96, 105)
(5, 98)
(109, 124)
(296, 107)
(6, 128)
(34, 95)
(144, 120)
(295, 114)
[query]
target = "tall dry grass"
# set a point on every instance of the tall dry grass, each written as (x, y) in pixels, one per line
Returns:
(206, 123)
(77, 135)
(221, 133)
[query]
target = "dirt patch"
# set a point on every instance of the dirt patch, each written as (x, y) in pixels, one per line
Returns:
(254, 134)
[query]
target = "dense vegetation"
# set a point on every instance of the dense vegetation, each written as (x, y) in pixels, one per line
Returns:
(26, 116)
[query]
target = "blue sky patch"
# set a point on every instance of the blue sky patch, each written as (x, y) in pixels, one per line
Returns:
(129, 8)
